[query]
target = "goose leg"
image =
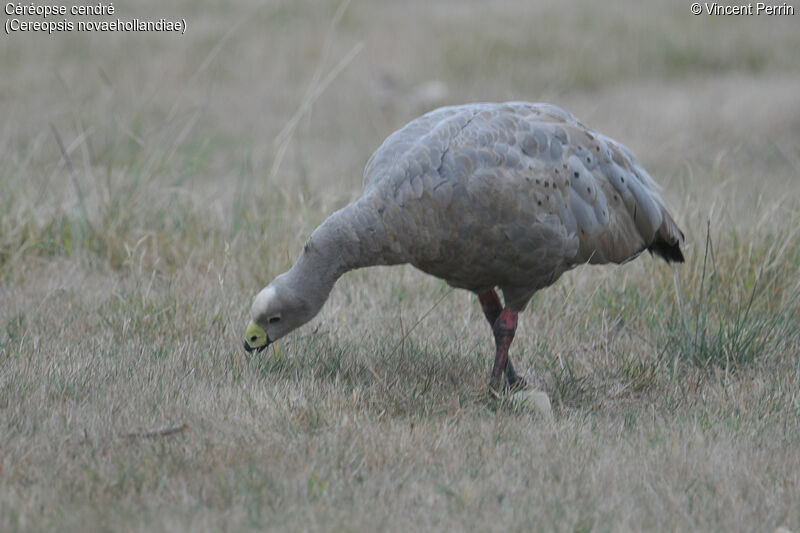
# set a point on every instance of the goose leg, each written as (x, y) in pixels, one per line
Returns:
(503, 334)
(490, 303)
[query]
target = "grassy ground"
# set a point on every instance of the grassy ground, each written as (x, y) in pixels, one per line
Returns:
(150, 186)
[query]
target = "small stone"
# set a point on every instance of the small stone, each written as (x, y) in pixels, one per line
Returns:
(534, 400)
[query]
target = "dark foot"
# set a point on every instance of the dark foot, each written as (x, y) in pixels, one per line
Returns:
(498, 386)
(503, 371)
(515, 382)
(501, 391)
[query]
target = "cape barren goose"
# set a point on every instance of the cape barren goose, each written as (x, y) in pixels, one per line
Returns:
(483, 196)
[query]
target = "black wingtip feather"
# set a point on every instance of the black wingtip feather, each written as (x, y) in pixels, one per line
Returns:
(671, 253)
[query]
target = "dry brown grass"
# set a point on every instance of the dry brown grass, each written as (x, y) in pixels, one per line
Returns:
(126, 277)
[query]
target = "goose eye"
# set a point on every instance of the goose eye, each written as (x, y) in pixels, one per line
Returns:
(274, 319)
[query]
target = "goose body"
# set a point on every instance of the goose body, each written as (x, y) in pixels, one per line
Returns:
(484, 196)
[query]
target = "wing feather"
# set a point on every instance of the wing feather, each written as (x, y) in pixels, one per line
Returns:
(512, 195)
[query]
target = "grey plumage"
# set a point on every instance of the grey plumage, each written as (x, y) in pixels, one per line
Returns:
(487, 195)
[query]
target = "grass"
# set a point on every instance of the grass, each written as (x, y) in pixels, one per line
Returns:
(139, 214)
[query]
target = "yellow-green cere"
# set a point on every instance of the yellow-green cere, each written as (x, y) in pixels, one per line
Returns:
(255, 335)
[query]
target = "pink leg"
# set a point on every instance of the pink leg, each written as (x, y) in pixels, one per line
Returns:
(492, 308)
(490, 303)
(504, 324)
(504, 328)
